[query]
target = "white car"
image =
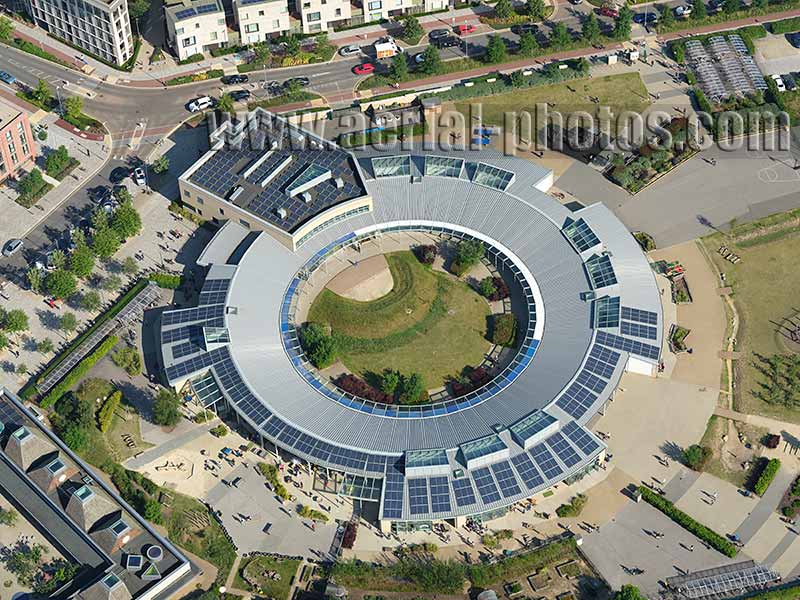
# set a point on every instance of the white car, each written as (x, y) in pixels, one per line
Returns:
(201, 103)
(683, 11)
(779, 82)
(351, 50)
(419, 58)
(138, 176)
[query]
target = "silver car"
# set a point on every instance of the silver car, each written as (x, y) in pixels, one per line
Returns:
(351, 50)
(12, 247)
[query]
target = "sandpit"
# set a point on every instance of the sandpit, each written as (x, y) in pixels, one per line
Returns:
(365, 281)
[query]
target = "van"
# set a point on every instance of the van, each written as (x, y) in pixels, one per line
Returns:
(201, 103)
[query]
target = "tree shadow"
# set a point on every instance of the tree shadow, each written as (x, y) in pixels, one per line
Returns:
(48, 319)
(673, 451)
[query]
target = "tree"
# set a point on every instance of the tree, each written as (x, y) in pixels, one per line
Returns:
(319, 346)
(730, 6)
(42, 93)
(75, 437)
(413, 389)
(536, 9)
(106, 242)
(128, 358)
(390, 381)
(160, 164)
(496, 50)
(398, 70)
(760, 4)
(667, 16)
(73, 107)
(34, 277)
(126, 221)
(31, 183)
(68, 322)
(81, 261)
(90, 301)
(696, 456)
(629, 592)
(261, 52)
(293, 45)
(61, 283)
(3, 340)
(6, 29)
(431, 61)
(111, 283)
(590, 28)
(56, 161)
(45, 346)
(528, 45)
(699, 11)
(504, 10)
(622, 28)
(15, 321)
(8, 517)
(560, 36)
(138, 8)
(517, 79)
(166, 408)
(412, 30)
(100, 219)
(225, 104)
(486, 287)
(58, 259)
(130, 266)
(22, 369)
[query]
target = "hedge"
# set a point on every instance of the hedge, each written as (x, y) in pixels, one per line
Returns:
(766, 477)
(787, 593)
(271, 474)
(81, 369)
(106, 415)
(574, 508)
(485, 575)
(786, 26)
(195, 77)
(711, 537)
(504, 329)
(168, 281)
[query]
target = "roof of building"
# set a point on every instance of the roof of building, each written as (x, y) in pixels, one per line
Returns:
(592, 303)
(73, 508)
(8, 113)
(276, 172)
(180, 10)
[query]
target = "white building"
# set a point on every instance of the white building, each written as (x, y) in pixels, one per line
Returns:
(102, 29)
(258, 20)
(320, 15)
(195, 26)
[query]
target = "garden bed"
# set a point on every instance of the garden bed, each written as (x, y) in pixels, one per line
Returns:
(195, 77)
(677, 338)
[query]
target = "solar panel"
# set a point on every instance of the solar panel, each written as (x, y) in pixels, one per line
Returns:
(188, 315)
(443, 166)
(185, 13)
(578, 436)
(463, 492)
(602, 361)
(207, 8)
(486, 485)
(418, 496)
(576, 400)
(601, 271)
(527, 471)
(393, 494)
(391, 166)
(581, 235)
(440, 494)
(627, 345)
(563, 450)
(638, 330)
(492, 177)
(590, 381)
(640, 316)
(505, 479)
(546, 463)
(606, 312)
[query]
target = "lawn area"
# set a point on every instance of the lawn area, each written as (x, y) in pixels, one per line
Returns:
(256, 571)
(428, 324)
(766, 288)
(621, 92)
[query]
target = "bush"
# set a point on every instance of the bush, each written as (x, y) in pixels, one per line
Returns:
(78, 372)
(699, 530)
(166, 408)
(31, 188)
(468, 253)
(695, 457)
(272, 475)
(309, 513)
(494, 288)
(204, 76)
(767, 475)
(167, 281)
(318, 345)
(219, 431)
(573, 508)
(128, 358)
(105, 417)
(58, 164)
(485, 575)
(349, 537)
(358, 387)
(425, 254)
(785, 26)
(504, 329)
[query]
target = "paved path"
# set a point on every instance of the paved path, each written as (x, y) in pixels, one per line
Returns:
(137, 462)
(780, 548)
(680, 484)
(766, 506)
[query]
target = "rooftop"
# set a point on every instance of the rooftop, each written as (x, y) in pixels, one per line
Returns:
(7, 113)
(187, 9)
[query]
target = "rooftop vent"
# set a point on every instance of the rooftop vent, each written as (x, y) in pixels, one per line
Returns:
(306, 197)
(231, 310)
(282, 213)
(236, 193)
(339, 182)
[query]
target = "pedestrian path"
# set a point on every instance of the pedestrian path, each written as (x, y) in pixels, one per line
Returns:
(680, 484)
(766, 506)
(148, 456)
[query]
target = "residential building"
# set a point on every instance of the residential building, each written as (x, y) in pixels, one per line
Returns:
(321, 15)
(17, 149)
(101, 28)
(258, 20)
(195, 26)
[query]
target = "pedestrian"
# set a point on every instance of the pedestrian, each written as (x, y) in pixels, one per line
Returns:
(691, 548)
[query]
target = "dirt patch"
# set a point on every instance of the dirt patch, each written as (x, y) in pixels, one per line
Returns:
(735, 449)
(365, 281)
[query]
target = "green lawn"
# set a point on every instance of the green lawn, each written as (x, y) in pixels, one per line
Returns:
(766, 288)
(625, 91)
(256, 569)
(428, 324)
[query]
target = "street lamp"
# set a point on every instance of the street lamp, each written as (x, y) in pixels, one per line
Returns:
(58, 95)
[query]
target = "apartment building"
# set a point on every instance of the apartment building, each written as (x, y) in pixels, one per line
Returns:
(101, 28)
(258, 20)
(320, 15)
(17, 149)
(195, 26)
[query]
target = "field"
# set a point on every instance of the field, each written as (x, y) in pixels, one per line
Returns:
(619, 92)
(272, 588)
(428, 324)
(766, 288)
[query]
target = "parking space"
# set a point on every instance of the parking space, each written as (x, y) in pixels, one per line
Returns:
(774, 54)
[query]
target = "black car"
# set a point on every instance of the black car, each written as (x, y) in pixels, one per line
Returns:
(447, 42)
(301, 81)
(794, 39)
(789, 82)
(102, 194)
(645, 18)
(119, 174)
(525, 28)
(240, 95)
(437, 34)
(234, 79)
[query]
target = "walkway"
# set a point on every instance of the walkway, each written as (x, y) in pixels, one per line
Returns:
(148, 456)
(766, 506)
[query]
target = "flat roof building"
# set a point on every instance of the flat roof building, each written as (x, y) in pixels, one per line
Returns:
(195, 26)
(17, 149)
(259, 20)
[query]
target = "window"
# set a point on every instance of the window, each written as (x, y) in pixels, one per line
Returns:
(251, 28)
(261, 13)
(220, 21)
(338, 12)
(607, 312)
(179, 31)
(306, 4)
(222, 212)
(315, 16)
(276, 24)
(199, 200)
(245, 223)
(213, 35)
(189, 41)
(186, 193)
(376, 5)
(197, 25)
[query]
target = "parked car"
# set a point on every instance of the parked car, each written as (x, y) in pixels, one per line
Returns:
(12, 247)
(789, 82)
(350, 50)
(525, 28)
(138, 176)
(793, 39)
(235, 79)
(609, 11)
(646, 18)
(779, 82)
(102, 194)
(7, 77)
(447, 42)
(119, 174)
(576, 2)
(419, 58)
(240, 95)
(465, 29)
(201, 103)
(683, 11)
(364, 69)
(437, 34)
(301, 81)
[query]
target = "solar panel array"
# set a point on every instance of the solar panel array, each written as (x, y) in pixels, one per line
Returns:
(440, 494)
(546, 463)
(724, 67)
(601, 271)
(493, 177)
(393, 494)
(487, 488)
(206, 8)
(579, 436)
(443, 166)
(418, 496)
(188, 315)
(640, 316)
(527, 472)
(506, 480)
(563, 450)
(606, 312)
(631, 346)
(576, 400)
(581, 235)
(602, 361)
(463, 492)
(638, 330)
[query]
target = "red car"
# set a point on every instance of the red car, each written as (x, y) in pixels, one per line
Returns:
(364, 69)
(609, 11)
(465, 29)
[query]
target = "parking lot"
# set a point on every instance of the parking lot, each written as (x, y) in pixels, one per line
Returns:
(774, 54)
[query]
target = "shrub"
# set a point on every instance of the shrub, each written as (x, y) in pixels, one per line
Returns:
(31, 188)
(128, 358)
(695, 457)
(349, 537)
(105, 417)
(219, 431)
(767, 475)
(358, 387)
(485, 575)
(494, 288)
(167, 281)
(504, 329)
(272, 475)
(425, 254)
(309, 513)
(714, 539)
(573, 508)
(468, 253)
(318, 345)
(77, 373)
